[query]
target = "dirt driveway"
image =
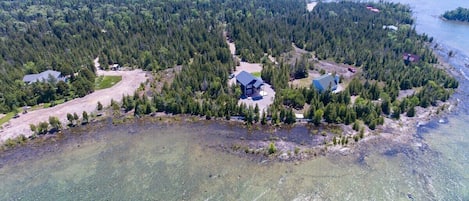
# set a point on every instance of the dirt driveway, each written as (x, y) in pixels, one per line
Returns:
(130, 82)
(267, 99)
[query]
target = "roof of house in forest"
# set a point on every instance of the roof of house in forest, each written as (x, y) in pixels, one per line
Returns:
(371, 8)
(326, 81)
(246, 78)
(31, 78)
(410, 57)
(390, 27)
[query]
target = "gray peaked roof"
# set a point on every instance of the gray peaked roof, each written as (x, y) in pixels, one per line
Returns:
(246, 78)
(326, 81)
(41, 76)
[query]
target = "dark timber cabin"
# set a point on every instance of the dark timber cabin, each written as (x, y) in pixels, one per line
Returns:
(250, 85)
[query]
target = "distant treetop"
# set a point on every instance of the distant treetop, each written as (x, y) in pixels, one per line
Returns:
(460, 14)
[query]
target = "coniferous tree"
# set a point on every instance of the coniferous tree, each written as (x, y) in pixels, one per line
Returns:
(85, 117)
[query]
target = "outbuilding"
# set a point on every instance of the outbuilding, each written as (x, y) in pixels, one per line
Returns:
(325, 82)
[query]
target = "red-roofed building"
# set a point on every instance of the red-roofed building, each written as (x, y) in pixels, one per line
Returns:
(410, 57)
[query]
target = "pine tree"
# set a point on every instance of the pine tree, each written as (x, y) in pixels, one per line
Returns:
(85, 117)
(100, 106)
(318, 117)
(263, 119)
(411, 112)
(70, 119)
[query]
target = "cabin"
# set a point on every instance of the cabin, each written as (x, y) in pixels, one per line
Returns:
(409, 58)
(47, 75)
(375, 10)
(250, 85)
(115, 67)
(326, 82)
(390, 27)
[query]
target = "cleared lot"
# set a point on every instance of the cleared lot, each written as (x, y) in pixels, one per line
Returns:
(130, 82)
(252, 68)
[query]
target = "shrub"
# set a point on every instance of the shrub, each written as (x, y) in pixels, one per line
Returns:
(100, 106)
(43, 127)
(272, 148)
(85, 117)
(55, 123)
(411, 112)
(356, 126)
(33, 128)
(70, 119)
(297, 150)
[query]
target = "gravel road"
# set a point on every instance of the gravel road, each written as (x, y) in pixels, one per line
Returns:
(130, 82)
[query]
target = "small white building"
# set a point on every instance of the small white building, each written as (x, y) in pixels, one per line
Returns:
(390, 27)
(115, 67)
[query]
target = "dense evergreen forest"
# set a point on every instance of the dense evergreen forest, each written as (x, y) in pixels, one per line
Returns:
(459, 14)
(158, 34)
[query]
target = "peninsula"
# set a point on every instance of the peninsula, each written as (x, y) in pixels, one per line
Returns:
(352, 66)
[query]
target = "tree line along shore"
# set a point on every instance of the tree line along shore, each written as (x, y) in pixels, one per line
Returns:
(458, 14)
(157, 35)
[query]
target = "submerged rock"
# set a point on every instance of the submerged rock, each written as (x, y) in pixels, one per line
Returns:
(284, 156)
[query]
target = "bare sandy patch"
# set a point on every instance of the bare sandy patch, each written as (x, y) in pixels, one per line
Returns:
(305, 82)
(340, 69)
(248, 67)
(130, 82)
(406, 93)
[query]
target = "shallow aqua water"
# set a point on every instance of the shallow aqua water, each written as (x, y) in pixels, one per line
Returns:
(427, 13)
(172, 162)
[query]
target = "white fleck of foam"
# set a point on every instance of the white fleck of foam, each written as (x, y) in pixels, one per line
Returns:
(464, 74)
(262, 194)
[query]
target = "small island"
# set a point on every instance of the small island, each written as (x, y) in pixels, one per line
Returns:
(459, 14)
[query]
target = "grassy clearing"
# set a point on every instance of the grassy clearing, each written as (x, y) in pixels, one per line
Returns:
(104, 82)
(306, 82)
(57, 102)
(6, 118)
(256, 74)
(47, 105)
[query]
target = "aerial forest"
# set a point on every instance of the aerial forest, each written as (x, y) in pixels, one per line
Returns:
(159, 34)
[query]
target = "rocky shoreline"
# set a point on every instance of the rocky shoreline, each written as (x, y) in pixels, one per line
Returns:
(297, 142)
(292, 143)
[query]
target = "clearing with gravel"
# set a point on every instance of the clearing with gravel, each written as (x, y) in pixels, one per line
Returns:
(130, 82)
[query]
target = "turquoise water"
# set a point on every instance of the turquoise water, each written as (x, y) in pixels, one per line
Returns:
(427, 12)
(181, 162)
(145, 161)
